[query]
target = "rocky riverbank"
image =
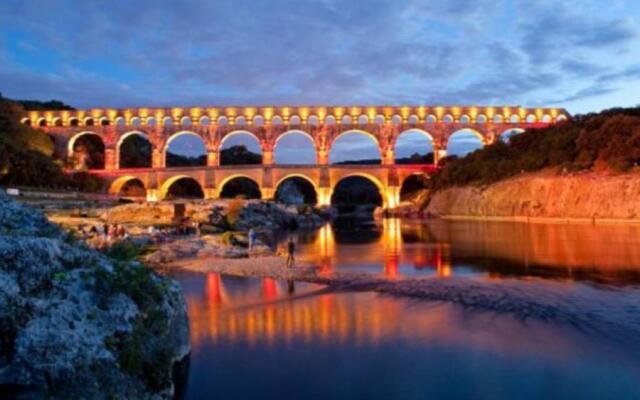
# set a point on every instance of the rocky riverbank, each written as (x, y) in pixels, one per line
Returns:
(588, 197)
(221, 215)
(78, 323)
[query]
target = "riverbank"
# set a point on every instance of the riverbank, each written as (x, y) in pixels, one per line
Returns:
(545, 196)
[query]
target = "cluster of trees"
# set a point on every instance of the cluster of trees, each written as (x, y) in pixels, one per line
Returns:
(239, 155)
(234, 155)
(26, 156)
(609, 140)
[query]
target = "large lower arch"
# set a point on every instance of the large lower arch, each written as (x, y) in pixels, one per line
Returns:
(166, 192)
(240, 147)
(307, 190)
(464, 141)
(239, 186)
(194, 154)
(134, 150)
(414, 146)
(295, 147)
(343, 196)
(119, 186)
(87, 150)
(353, 152)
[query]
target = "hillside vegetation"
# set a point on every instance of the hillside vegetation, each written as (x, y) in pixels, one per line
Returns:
(605, 141)
(26, 156)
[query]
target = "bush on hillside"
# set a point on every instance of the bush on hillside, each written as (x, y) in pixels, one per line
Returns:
(610, 140)
(26, 156)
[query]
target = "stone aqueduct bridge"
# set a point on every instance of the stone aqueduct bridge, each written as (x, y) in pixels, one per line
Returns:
(322, 125)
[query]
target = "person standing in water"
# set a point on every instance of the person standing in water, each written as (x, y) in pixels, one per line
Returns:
(291, 250)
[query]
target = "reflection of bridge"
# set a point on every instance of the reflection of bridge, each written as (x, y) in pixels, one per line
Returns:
(322, 126)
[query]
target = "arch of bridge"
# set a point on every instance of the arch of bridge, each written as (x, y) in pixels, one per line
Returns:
(254, 174)
(323, 136)
(166, 183)
(314, 181)
(118, 183)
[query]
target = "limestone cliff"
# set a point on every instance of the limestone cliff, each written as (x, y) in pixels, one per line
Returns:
(545, 195)
(76, 323)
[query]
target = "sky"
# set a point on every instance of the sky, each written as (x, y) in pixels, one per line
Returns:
(583, 55)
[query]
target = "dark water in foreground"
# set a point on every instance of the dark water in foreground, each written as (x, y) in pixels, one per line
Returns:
(260, 338)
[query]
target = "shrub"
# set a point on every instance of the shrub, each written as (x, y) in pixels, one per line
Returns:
(123, 251)
(610, 138)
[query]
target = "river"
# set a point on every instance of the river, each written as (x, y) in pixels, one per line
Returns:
(262, 338)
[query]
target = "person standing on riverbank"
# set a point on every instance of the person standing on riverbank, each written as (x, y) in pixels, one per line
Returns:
(252, 238)
(291, 250)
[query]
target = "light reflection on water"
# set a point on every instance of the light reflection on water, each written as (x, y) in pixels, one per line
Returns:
(261, 338)
(394, 248)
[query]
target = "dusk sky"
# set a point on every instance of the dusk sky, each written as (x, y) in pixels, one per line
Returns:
(581, 55)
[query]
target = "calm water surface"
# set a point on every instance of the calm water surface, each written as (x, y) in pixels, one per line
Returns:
(261, 338)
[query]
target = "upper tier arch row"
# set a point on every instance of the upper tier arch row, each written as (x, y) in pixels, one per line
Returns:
(259, 116)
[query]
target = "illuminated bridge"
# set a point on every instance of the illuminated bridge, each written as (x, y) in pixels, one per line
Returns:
(322, 126)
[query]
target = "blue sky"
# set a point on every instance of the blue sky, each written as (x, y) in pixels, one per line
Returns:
(583, 55)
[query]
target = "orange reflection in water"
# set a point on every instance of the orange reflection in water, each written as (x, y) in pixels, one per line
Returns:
(495, 249)
(360, 318)
(266, 312)
(214, 292)
(388, 251)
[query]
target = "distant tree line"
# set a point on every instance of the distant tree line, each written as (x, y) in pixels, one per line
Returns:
(609, 140)
(35, 105)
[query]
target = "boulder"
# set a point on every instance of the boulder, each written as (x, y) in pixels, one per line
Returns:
(75, 323)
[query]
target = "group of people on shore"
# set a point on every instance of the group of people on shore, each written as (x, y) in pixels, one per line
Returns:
(107, 234)
(102, 235)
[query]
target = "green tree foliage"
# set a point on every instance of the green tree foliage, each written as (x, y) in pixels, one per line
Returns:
(416, 158)
(135, 152)
(610, 140)
(239, 155)
(26, 156)
(40, 105)
(177, 160)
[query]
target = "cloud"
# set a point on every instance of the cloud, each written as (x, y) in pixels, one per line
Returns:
(162, 52)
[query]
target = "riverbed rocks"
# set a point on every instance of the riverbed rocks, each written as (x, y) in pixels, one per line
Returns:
(227, 246)
(221, 215)
(270, 216)
(76, 323)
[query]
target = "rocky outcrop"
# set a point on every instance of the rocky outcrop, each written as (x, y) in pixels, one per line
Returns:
(76, 323)
(589, 196)
(228, 245)
(265, 215)
(258, 214)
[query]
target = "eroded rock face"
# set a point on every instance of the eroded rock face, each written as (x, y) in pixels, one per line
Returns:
(579, 196)
(77, 324)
